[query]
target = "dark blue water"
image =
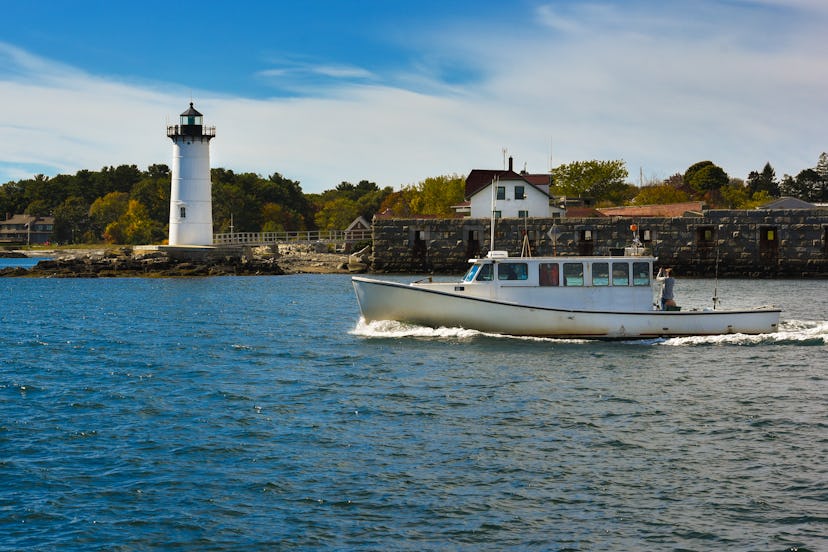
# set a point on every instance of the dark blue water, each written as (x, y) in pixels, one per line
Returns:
(256, 414)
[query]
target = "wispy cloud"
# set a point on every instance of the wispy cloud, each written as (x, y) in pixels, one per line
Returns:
(654, 84)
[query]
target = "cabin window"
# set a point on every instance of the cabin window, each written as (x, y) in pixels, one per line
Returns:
(501, 192)
(471, 273)
(600, 274)
(641, 274)
(520, 192)
(548, 274)
(620, 274)
(573, 274)
(182, 212)
(512, 271)
(485, 273)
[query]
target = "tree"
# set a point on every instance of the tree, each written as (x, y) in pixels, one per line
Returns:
(706, 178)
(763, 181)
(660, 194)
(807, 186)
(106, 210)
(71, 220)
(337, 214)
(597, 179)
(436, 195)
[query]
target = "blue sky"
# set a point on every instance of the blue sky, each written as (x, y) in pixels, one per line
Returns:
(396, 91)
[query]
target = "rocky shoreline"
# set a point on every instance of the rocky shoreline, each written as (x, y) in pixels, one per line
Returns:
(125, 262)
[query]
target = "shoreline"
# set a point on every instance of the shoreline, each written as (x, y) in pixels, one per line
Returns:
(123, 262)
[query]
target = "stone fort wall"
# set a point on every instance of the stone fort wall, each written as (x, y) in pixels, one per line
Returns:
(732, 243)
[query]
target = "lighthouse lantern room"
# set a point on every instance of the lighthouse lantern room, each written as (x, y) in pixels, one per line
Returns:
(191, 205)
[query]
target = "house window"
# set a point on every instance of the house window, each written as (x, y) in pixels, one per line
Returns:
(501, 192)
(523, 214)
(182, 212)
(520, 192)
(497, 215)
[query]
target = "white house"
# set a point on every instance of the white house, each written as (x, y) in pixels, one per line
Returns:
(516, 195)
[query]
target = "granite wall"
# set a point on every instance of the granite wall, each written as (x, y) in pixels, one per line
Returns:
(737, 244)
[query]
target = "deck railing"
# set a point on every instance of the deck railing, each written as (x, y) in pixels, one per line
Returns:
(299, 236)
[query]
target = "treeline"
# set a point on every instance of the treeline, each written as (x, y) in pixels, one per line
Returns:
(605, 184)
(126, 205)
(129, 206)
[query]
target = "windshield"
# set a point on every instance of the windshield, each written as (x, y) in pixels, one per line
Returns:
(471, 273)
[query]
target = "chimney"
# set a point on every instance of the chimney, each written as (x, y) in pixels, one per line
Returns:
(510, 163)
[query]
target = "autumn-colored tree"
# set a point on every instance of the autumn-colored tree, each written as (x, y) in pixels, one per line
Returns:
(660, 194)
(106, 210)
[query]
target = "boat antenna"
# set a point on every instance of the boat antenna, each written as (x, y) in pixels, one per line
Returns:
(716, 280)
(495, 181)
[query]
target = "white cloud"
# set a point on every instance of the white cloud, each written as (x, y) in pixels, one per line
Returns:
(657, 87)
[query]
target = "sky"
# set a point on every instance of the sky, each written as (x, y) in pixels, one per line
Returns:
(394, 91)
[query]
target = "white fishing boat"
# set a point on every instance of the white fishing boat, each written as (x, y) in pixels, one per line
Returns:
(602, 297)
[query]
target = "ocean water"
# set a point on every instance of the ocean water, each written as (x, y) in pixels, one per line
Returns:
(259, 414)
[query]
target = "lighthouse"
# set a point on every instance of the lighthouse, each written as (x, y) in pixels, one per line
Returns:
(191, 204)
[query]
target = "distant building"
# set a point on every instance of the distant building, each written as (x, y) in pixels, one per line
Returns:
(27, 229)
(515, 195)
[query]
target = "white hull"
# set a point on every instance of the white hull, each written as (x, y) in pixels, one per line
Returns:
(441, 307)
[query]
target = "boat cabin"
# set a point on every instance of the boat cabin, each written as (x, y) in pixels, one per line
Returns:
(621, 282)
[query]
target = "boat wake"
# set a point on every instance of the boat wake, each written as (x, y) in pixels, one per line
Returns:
(791, 332)
(393, 329)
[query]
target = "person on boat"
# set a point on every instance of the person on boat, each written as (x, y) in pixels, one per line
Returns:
(665, 276)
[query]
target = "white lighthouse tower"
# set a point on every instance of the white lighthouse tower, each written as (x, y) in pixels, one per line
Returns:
(191, 205)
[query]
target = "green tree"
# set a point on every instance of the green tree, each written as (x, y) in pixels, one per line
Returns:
(706, 178)
(596, 179)
(337, 214)
(763, 181)
(71, 220)
(436, 195)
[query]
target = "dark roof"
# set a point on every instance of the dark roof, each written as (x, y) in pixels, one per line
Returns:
(191, 112)
(480, 178)
(787, 202)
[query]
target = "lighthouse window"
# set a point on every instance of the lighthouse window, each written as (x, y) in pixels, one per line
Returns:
(182, 212)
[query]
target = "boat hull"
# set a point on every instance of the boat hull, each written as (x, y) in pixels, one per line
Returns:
(384, 300)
